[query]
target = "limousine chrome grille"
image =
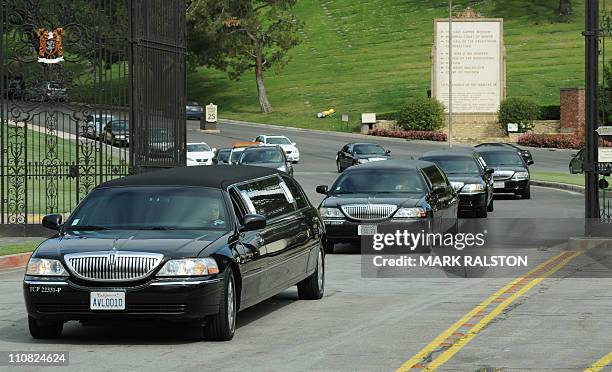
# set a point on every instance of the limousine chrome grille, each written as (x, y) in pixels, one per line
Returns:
(369, 211)
(112, 266)
(502, 175)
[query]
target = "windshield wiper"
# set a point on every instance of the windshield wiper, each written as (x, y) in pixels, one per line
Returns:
(86, 227)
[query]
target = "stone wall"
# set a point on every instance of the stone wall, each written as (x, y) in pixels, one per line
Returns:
(572, 109)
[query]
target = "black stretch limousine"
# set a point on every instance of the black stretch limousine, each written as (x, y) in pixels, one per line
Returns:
(187, 244)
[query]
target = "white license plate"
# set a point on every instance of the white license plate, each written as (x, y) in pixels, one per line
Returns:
(499, 185)
(366, 230)
(107, 301)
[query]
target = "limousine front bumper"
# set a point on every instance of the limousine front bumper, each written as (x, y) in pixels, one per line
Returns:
(179, 300)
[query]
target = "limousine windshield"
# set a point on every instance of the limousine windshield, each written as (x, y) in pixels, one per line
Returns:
(380, 182)
(151, 208)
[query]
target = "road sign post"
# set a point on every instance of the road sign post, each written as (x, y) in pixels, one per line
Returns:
(209, 121)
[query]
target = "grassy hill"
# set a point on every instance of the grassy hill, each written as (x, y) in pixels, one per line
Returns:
(372, 55)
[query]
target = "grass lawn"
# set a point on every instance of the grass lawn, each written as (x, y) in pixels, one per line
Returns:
(372, 55)
(18, 247)
(572, 179)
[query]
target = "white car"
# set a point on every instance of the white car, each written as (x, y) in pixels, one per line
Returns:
(291, 150)
(199, 154)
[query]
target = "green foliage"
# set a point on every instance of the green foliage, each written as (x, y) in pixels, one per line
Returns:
(550, 112)
(422, 114)
(232, 34)
(521, 111)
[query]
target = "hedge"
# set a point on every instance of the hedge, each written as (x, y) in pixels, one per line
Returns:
(422, 114)
(410, 134)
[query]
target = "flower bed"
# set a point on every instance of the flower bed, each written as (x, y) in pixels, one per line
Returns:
(410, 134)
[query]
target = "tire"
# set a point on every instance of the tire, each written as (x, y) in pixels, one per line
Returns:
(313, 287)
(490, 207)
(526, 193)
(45, 330)
(221, 327)
(329, 247)
(481, 212)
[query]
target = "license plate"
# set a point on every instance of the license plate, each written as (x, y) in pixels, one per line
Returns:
(499, 185)
(366, 230)
(107, 301)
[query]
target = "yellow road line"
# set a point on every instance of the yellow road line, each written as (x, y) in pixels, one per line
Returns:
(598, 365)
(415, 361)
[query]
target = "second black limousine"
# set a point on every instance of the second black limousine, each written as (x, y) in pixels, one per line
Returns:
(187, 244)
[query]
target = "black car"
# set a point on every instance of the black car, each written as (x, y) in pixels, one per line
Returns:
(469, 176)
(360, 153)
(189, 244)
(222, 156)
(390, 191)
(266, 156)
(525, 154)
(193, 110)
(511, 172)
(117, 132)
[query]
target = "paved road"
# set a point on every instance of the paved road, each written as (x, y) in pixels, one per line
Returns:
(552, 324)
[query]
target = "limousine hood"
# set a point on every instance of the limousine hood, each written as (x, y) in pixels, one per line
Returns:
(399, 199)
(172, 244)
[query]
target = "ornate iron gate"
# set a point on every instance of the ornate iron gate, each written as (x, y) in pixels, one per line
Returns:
(90, 90)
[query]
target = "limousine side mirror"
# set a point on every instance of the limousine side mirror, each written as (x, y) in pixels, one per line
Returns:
(322, 189)
(529, 162)
(489, 171)
(52, 221)
(439, 189)
(253, 222)
(388, 152)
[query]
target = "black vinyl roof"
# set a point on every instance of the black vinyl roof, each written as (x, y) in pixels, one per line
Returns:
(458, 152)
(213, 176)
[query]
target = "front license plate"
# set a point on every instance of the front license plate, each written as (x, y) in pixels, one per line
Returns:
(366, 230)
(499, 185)
(107, 301)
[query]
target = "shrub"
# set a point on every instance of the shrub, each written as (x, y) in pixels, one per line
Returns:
(388, 116)
(410, 134)
(518, 110)
(422, 114)
(550, 112)
(558, 141)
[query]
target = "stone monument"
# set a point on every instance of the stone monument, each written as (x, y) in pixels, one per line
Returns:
(479, 72)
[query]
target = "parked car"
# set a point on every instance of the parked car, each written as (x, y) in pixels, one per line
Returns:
(238, 148)
(525, 154)
(576, 164)
(266, 156)
(193, 110)
(95, 124)
(192, 245)
(360, 153)
(222, 157)
(390, 191)
(199, 154)
(469, 176)
(161, 143)
(511, 172)
(117, 133)
(290, 148)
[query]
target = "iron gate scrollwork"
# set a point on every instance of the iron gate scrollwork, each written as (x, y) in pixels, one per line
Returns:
(90, 90)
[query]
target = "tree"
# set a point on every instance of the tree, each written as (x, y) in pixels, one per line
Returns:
(241, 35)
(565, 7)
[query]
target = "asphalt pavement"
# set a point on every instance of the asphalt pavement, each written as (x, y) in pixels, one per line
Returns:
(548, 321)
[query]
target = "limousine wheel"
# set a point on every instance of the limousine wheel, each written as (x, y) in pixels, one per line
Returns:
(45, 330)
(221, 327)
(312, 288)
(490, 208)
(329, 247)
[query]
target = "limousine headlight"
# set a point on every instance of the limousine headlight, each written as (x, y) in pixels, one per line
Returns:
(45, 267)
(410, 213)
(330, 212)
(472, 188)
(521, 176)
(190, 267)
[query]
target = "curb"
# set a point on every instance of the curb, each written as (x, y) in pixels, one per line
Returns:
(14, 261)
(559, 186)
(326, 132)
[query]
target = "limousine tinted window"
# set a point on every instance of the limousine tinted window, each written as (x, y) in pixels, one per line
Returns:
(267, 197)
(148, 208)
(297, 193)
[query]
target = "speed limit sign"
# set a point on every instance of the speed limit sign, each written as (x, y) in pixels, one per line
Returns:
(211, 113)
